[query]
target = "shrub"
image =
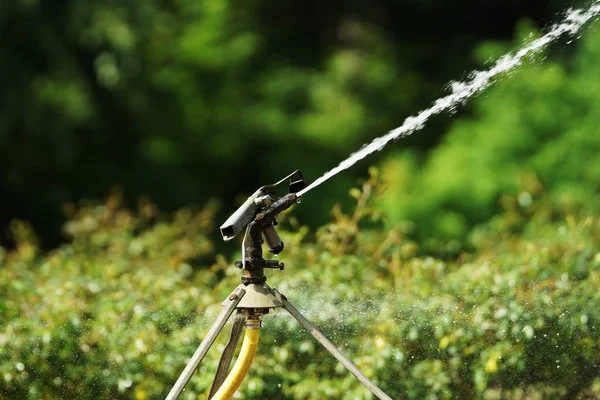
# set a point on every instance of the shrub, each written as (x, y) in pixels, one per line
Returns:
(116, 313)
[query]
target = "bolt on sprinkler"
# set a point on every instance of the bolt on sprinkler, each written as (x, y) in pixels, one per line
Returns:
(253, 298)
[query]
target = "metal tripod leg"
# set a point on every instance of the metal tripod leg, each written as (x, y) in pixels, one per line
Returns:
(306, 324)
(230, 305)
(227, 356)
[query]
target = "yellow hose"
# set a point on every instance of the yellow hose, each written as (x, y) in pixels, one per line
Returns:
(242, 364)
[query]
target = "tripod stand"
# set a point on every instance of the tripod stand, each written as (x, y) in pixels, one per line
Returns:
(251, 301)
(254, 298)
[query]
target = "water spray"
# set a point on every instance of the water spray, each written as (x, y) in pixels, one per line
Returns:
(257, 217)
(462, 91)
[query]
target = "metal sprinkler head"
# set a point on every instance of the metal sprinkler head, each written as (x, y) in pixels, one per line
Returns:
(258, 217)
(262, 200)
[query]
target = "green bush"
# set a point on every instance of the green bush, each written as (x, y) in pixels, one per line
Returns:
(116, 313)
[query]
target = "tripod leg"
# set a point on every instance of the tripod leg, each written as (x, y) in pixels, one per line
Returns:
(227, 356)
(306, 324)
(209, 339)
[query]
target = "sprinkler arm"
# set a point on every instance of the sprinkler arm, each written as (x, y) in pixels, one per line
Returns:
(262, 199)
(270, 213)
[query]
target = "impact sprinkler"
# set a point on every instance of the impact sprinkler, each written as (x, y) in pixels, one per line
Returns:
(253, 298)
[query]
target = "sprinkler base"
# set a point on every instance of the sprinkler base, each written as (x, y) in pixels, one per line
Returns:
(258, 295)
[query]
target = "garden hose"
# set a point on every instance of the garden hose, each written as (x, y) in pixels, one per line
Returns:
(242, 364)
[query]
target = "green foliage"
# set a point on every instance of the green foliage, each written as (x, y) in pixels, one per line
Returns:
(146, 93)
(116, 313)
(543, 121)
(173, 99)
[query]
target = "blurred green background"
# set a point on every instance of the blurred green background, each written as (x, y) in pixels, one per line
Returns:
(185, 101)
(466, 264)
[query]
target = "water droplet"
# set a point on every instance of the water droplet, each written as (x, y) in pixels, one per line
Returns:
(528, 330)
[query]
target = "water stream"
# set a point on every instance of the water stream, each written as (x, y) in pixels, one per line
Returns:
(477, 81)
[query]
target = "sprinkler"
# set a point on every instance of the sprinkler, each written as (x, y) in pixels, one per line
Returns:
(253, 298)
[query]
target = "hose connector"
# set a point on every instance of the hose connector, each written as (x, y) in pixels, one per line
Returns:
(253, 323)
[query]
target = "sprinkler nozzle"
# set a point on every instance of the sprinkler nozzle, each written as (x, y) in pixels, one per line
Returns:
(263, 200)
